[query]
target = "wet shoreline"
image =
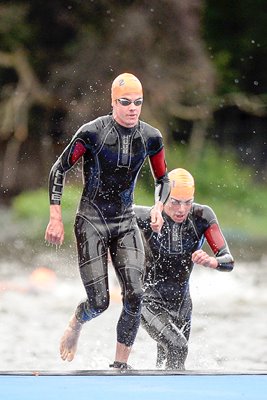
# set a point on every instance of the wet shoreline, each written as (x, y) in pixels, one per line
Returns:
(228, 324)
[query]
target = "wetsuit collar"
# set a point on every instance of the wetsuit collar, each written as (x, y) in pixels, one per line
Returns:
(124, 129)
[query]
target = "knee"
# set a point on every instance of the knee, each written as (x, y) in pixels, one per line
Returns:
(177, 343)
(178, 348)
(133, 301)
(88, 309)
(98, 305)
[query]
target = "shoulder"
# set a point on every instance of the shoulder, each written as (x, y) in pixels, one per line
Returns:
(149, 129)
(152, 138)
(204, 211)
(97, 124)
(91, 132)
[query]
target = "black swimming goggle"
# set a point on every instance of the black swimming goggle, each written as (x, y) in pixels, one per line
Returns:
(127, 102)
(176, 202)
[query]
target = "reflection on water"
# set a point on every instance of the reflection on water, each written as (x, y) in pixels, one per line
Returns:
(229, 317)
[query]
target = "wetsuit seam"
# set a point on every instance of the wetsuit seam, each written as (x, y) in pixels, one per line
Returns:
(102, 218)
(102, 278)
(96, 230)
(143, 139)
(92, 260)
(191, 220)
(153, 318)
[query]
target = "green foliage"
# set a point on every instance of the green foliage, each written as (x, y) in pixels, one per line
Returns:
(227, 74)
(236, 39)
(13, 29)
(31, 208)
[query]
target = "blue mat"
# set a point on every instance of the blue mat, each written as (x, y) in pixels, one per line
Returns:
(159, 386)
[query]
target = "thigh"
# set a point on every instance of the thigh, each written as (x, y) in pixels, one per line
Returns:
(161, 325)
(183, 320)
(127, 254)
(154, 318)
(92, 254)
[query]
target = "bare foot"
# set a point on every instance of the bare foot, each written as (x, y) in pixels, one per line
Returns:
(69, 340)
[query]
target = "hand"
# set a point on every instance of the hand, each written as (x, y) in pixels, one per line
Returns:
(202, 258)
(156, 217)
(55, 232)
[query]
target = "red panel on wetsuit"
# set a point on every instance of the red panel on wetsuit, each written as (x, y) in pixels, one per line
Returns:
(78, 151)
(215, 238)
(158, 164)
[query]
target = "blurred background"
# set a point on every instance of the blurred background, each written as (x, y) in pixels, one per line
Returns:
(203, 69)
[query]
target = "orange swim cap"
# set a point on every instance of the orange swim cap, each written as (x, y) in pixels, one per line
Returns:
(182, 184)
(125, 84)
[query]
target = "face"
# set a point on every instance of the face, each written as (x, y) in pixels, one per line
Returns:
(127, 114)
(178, 210)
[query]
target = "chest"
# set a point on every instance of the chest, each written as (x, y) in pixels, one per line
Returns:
(116, 149)
(176, 239)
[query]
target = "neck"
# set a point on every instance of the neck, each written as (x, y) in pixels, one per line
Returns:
(124, 126)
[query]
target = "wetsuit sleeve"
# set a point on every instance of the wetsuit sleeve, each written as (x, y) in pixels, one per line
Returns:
(159, 171)
(72, 153)
(218, 243)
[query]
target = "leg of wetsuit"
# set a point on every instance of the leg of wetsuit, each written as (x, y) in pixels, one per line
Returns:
(161, 326)
(185, 315)
(182, 321)
(93, 264)
(127, 255)
(161, 355)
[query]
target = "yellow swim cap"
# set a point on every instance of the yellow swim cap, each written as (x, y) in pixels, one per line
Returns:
(125, 84)
(182, 184)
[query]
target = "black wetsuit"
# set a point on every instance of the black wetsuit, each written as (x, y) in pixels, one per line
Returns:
(167, 305)
(112, 158)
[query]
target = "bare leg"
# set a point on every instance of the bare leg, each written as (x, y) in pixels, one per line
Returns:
(122, 353)
(121, 357)
(69, 340)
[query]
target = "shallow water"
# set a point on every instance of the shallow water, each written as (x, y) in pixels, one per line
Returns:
(229, 330)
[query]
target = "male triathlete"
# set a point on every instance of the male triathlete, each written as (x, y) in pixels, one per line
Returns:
(170, 257)
(114, 148)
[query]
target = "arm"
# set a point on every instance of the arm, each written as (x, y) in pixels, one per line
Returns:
(54, 233)
(55, 229)
(222, 260)
(162, 188)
